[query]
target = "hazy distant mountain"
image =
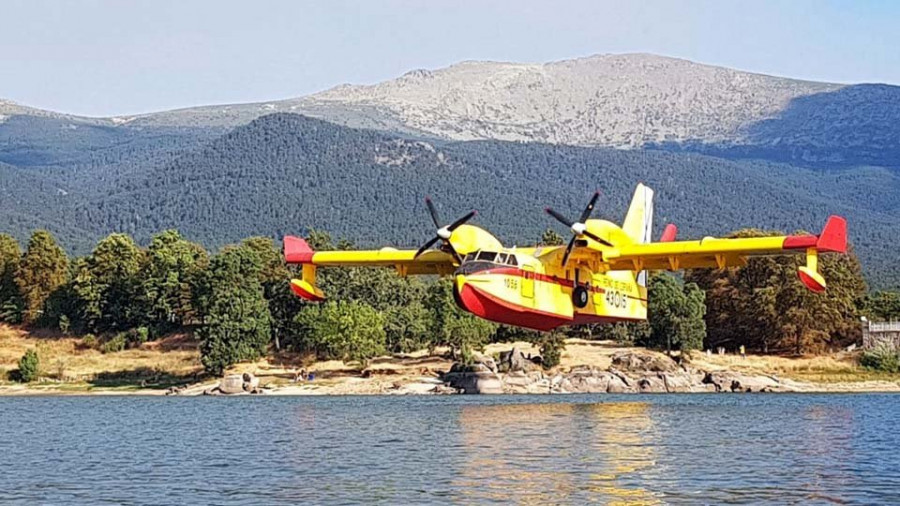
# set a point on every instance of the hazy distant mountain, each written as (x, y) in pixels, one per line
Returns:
(621, 101)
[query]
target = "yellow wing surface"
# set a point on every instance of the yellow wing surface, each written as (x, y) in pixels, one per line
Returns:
(721, 253)
(297, 251)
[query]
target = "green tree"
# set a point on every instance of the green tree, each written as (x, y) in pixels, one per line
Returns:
(551, 238)
(275, 276)
(166, 287)
(29, 366)
(450, 326)
(407, 327)
(10, 303)
(107, 284)
(236, 326)
(626, 333)
(881, 305)
(675, 314)
(346, 330)
(42, 270)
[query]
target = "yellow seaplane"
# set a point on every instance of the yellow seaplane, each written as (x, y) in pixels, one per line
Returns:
(599, 276)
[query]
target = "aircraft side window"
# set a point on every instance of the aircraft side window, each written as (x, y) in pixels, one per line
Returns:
(470, 256)
(512, 260)
(501, 258)
(487, 256)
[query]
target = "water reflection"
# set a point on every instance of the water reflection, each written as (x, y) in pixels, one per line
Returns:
(691, 449)
(540, 453)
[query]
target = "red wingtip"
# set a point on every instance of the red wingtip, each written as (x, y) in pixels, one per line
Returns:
(297, 251)
(833, 236)
(669, 234)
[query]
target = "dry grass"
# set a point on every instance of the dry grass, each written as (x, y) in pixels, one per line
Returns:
(66, 359)
(832, 368)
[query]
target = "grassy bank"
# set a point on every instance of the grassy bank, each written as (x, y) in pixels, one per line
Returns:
(68, 365)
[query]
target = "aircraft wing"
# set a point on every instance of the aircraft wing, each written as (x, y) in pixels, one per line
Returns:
(721, 253)
(297, 251)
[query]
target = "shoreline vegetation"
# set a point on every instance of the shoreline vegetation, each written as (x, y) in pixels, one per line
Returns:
(172, 365)
(173, 318)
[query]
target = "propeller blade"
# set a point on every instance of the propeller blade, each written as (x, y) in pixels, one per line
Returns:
(589, 209)
(598, 239)
(565, 257)
(426, 246)
(562, 219)
(433, 212)
(453, 226)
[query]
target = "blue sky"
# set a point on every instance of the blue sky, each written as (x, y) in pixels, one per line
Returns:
(121, 57)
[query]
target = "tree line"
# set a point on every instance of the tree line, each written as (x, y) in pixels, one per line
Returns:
(239, 305)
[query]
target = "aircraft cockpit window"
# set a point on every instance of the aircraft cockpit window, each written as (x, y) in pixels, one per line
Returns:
(512, 260)
(486, 256)
(469, 257)
(501, 258)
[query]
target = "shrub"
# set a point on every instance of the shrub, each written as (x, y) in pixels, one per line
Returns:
(881, 358)
(28, 366)
(348, 331)
(89, 341)
(115, 344)
(552, 346)
(137, 337)
(64, 324)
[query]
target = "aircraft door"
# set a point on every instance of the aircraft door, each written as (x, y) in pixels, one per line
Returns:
(528, 282)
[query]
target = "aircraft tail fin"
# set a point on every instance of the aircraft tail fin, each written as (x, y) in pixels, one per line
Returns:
(639, 221)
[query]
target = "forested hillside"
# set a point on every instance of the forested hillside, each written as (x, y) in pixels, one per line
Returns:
(285, 174)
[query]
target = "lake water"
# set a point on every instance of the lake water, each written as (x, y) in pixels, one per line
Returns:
(643, 449)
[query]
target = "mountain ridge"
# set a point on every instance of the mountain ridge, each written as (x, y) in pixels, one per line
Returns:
(624, 101)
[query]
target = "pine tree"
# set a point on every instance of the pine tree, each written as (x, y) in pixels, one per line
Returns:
(42, 270)
(236, 326)
(675, 314)
(173, 264)
(10, 303)
(107, 284)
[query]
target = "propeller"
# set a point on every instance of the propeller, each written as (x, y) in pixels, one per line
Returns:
(578, 228)
(443, 232)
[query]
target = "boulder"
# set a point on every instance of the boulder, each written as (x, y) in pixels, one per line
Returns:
(232, 384)
(515, 360)
(486, 361)
(729, 381)
(480, 382)
(632, 361)
(651, 384)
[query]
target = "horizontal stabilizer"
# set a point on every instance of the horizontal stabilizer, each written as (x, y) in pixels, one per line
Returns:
(296, 250)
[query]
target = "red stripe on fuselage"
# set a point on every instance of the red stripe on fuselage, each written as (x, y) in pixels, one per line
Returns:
(512, 271)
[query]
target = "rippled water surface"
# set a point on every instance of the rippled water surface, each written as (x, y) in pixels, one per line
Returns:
(549, 449)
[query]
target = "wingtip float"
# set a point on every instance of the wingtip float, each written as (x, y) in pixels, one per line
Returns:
(600, 276)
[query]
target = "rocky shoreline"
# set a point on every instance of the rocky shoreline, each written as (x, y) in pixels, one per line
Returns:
(630, 372)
